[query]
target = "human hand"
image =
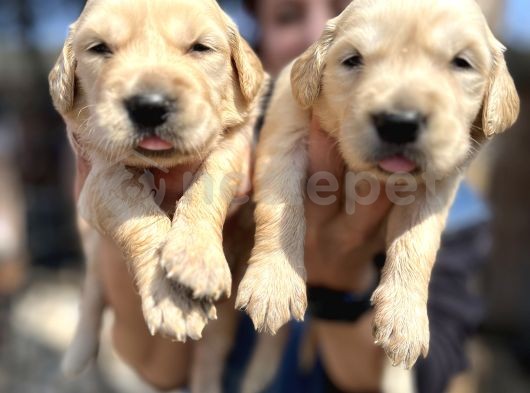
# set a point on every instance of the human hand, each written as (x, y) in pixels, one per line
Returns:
(340, 247)
(339, 253)
(163, 364)
(159, 362)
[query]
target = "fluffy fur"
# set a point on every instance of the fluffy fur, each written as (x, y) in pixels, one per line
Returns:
(179, 264)
(408, 50)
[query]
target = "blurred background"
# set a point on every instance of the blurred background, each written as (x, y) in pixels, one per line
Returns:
(40, 261)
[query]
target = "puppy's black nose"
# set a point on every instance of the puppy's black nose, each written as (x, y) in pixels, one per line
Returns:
(399, 128)
(148, 110)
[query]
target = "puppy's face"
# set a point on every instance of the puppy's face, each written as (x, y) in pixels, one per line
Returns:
(408, 86)
(160, 79)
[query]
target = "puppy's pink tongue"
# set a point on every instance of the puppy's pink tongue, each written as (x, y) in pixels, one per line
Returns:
(398, 164)
(155, 144)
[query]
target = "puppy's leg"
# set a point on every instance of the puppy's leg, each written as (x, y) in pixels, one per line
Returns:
(265, 361)
(401, 324)
(118, 202)
(85, 344)
(193, 253)
(210, 354)
(273, 289)
(397, 380)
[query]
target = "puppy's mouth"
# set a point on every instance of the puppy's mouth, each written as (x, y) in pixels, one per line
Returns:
(155, 144)
(160, 145)
(156, 147)
(398, 164)
(390, 160)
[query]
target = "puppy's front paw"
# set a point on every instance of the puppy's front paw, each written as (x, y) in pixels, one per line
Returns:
(193, 256)
(169, 310)
(401, 325)
(272, 294)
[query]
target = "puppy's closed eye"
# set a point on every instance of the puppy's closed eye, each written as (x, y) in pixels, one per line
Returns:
(101, 49)
(354, 61)
(461, 63)
(200, 48)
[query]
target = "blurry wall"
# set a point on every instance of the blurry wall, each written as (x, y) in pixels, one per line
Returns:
(30, 34)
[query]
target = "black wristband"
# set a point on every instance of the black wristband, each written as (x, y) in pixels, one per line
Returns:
(339, 306)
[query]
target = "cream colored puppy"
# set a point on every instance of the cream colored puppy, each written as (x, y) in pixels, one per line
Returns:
(404, 86)
(143, 84)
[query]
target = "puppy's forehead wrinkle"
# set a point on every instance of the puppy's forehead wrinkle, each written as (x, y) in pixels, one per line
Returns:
(371, 24)
(178, 22)
(360, 38)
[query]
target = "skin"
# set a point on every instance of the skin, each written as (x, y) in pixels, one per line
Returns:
(334, 261)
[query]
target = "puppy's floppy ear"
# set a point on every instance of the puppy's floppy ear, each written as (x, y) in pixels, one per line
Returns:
(62, 76)
(248, 66)
(306, 74)
(501, 103)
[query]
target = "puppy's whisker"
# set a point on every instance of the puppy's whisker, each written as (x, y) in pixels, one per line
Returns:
(151, 163)
(476, 142)
(85, 123)
(84, 109)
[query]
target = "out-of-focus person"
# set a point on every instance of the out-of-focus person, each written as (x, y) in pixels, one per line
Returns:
(286, 27)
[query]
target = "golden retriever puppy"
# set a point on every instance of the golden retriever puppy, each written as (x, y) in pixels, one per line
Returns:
(159, 84)
(410, 89)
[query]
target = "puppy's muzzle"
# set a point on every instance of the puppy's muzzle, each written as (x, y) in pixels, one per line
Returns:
(399, 128)
(149, 111)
